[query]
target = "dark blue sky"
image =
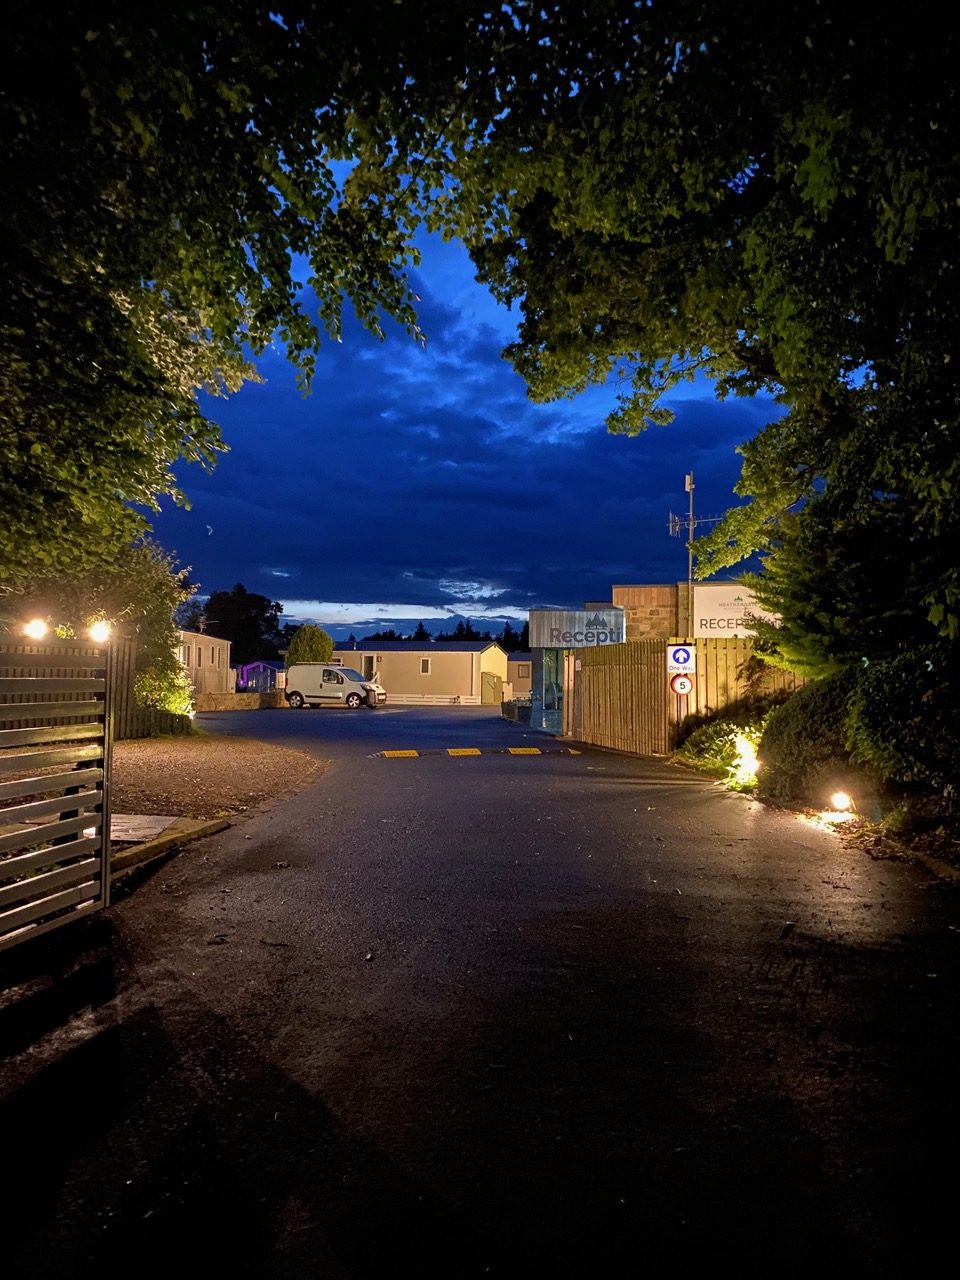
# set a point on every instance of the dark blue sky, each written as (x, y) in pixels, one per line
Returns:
(423, 484)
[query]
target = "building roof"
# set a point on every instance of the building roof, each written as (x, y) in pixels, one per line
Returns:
(519, 657)
(416, 646)
(206, 636)
(259, 662)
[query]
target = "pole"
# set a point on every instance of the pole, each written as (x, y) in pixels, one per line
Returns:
(688, 484)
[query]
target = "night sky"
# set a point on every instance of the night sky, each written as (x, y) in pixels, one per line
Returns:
(422, 484)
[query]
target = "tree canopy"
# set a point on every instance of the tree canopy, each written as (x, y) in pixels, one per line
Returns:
(774, 203)
(170, 205)
(250, 621)
(309, 643)
(660, 189)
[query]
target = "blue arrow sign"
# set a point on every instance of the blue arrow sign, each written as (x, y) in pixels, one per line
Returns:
(681, 660)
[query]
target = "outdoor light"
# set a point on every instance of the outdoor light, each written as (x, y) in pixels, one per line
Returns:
(100, 632)
(36, 629)
(743, 771)
(841, 801)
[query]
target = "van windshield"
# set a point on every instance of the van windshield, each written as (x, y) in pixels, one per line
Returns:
(350, 673)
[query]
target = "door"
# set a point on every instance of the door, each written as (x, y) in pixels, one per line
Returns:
(491, 689)
(570, 663)
(331, 687)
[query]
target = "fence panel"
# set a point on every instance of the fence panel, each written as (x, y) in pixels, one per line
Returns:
(131, 720)
(620, 699)
(55, 711)
(622, 696)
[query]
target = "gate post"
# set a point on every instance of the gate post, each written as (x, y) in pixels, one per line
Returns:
(109, 708)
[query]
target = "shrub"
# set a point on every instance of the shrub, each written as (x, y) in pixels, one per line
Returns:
(905, 716)
(712, 746)
(165, 687)
(745, 712)
(803, 751)
(309, 644)
(725, 749)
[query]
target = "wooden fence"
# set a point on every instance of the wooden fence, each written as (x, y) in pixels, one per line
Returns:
(131, 720)
(622, 697)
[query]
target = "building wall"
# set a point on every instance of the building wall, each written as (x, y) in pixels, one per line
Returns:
(450, 676)
(206, 660)
(518, 673)
(651, 610)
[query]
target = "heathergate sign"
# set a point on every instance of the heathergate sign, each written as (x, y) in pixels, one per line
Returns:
(725, 609)
(576, 628)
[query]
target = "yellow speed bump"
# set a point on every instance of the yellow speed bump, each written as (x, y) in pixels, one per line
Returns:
(463, 751)
(525, 751)
(399, 755)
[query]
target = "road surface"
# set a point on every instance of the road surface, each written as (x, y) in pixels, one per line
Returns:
(488, 1015)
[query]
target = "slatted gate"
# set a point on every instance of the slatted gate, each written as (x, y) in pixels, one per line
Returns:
(55, 739)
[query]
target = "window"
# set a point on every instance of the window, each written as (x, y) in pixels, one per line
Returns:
(523, 670)
(219, 657)
(424, 666)
(199, 655)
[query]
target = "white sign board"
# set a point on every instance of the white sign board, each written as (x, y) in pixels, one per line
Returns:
(681, 659)
(576, 628)
(724, 609)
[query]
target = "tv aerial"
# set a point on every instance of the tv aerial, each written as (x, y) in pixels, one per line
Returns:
(688, 524)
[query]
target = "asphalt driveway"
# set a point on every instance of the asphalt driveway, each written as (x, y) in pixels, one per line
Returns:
(491, 1015)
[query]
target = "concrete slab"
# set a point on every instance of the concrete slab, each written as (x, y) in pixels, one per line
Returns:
(133, 828)
(180, 831)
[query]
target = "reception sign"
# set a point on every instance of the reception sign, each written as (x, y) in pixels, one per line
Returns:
(576, 628)
(724, 609)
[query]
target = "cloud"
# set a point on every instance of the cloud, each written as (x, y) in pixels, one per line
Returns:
(428, 481)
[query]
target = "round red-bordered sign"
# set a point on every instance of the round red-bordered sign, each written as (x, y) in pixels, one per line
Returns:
(681, 684)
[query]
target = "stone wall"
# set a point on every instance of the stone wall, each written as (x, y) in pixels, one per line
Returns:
(239, 701)
(651, 610)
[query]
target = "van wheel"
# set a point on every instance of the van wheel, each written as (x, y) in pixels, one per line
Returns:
(295, 700)
(353, 701)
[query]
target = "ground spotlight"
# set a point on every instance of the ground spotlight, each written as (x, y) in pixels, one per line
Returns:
(100, 632)
(841, 801)
(35, 629)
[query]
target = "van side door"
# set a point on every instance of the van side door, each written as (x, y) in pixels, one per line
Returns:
(332, 687)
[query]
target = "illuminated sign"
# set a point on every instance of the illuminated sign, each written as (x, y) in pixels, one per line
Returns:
(722, 609)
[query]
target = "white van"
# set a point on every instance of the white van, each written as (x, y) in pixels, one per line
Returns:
(321, 684)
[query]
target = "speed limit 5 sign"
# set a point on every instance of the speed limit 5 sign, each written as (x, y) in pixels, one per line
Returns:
(681, 684)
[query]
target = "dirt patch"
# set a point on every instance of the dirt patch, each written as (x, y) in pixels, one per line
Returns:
(207, 776)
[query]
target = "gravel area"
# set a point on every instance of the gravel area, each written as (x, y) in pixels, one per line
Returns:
(207, 776)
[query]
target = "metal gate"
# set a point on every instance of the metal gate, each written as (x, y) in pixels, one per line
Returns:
(55, 739)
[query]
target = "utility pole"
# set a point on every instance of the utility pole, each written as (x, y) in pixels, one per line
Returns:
(688, 485)
(688, 524)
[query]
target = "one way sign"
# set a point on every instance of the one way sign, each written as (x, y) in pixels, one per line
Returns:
(681, 659)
